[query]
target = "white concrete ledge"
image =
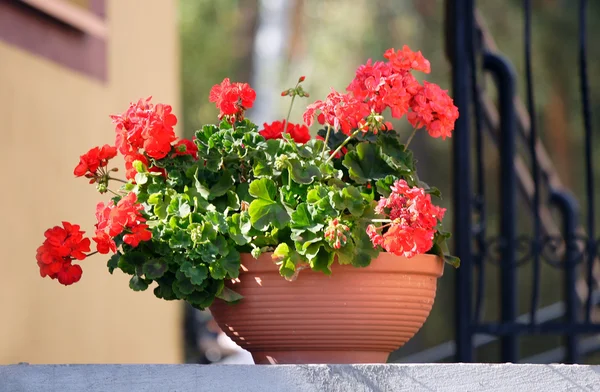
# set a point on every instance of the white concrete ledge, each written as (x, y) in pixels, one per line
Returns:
(301, 378)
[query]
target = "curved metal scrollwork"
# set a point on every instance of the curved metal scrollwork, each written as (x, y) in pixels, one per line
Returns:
(552, 249)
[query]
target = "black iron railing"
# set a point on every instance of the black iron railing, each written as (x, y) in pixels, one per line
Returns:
(565, 245)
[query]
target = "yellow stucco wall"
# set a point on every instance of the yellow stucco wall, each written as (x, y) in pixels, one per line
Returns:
(49, 116)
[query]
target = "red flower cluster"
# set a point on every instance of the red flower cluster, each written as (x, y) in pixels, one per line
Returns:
(413, 221)
(433, 108)
(299, 133)
(381, 85)
(61, 247)
(123, 217)
(186, 147)
(91, 161)
(145, 126)
(404, 60)
(232, 99)
(341, 111)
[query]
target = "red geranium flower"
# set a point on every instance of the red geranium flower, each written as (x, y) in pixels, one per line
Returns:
(299, 133)
(433, 108)
(146, 126)
(341, 111)
(126, 217)
(413, 220)
(138, 233)
(93, 159)
(406, 60)
(186, 147)
(61, 247)
(104, 243)
(232, 99)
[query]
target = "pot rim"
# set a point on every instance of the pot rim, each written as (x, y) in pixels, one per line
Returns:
(423, 264)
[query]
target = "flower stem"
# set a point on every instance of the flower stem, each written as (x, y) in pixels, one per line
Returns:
(410, 138)
(91, 254)
(119, 180)
(333, 154)
(113, 192)
(287, 119)
(326, 141)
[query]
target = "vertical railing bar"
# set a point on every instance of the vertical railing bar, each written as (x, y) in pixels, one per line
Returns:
(504, 76)
(589, 175)
(475, 45)
(535, 245)
(460, 20)
(568, 208)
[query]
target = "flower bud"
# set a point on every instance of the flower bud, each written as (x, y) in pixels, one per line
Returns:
(301, 79)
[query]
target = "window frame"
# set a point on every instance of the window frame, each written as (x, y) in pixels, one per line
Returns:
(59, 31)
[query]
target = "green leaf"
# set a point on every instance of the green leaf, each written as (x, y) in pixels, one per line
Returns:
(231, 263)
(365, 250)
(354, 200)
(346, 253)
(224, 183)
(316, 194)
(218, 220)
(139, 166)
(229, 295)
(287, 259)
(265, 212)
(263, 189)
(233, 200)
(180, 240)
(196, 273)
(217, 271)
(323, 261)
(384, 185)
(183, 288)
(165, 291)
(366, 163)
(303, 174)
(302, 220)
(155, 198)
(136, 283)
(154, 268)
(201, 189)
(430, 189)
(184, 209)
(113, 262)
(141, 178)
(160, 210)
(262, 168)
(452, 260)
(235, 229)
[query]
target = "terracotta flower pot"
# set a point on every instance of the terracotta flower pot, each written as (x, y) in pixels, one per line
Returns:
(355, 315)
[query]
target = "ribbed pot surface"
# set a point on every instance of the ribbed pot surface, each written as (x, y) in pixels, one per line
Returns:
(355, 315)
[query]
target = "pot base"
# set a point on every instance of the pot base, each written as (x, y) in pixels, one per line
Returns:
(318, 357)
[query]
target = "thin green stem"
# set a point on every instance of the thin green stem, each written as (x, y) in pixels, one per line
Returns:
(326, 141)
(342, 145)
(410, 138)
(91, 254)
(113, 192)
(287, 119)
(119, 180)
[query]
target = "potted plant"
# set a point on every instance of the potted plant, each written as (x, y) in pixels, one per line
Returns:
(306, 250)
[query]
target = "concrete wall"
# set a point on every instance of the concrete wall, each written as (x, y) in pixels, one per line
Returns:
(306, 378)
(49, 116)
